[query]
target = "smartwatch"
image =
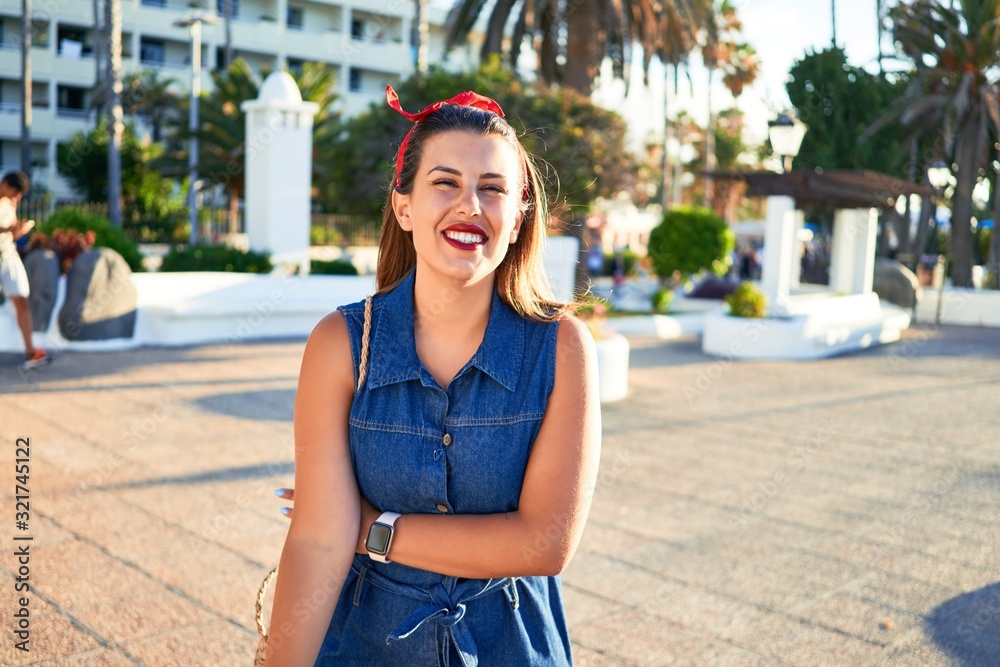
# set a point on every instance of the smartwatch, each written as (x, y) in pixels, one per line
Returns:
(380, 536)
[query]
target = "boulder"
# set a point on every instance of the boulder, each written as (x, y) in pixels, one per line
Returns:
(895, 283)
(42, 267)
(100, 300)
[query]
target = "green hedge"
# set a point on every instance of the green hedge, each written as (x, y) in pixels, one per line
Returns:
(106, 235)
(336, 267)
(690, 240)
(215, 258)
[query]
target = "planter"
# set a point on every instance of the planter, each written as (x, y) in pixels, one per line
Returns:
(612, 367)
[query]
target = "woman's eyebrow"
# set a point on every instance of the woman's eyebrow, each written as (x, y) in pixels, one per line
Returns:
(456, 172)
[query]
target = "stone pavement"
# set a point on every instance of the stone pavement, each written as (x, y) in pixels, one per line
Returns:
(838, 512)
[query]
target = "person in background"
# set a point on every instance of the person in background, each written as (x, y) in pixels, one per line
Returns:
(13, 277)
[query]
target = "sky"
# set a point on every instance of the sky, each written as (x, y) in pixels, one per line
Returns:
(781, 31)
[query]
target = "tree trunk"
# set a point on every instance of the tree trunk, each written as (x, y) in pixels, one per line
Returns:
(234, 211)
(99, 40)
(547, 50)
(26, 86)
(584, 46)
(422, 35)
(493, 44)
(993, 281)
(665, 160)
(709, 147)
(967, 156)
(923, 226)
(227, 15)
(113, 21)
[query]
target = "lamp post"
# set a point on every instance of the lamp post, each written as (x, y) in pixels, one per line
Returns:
(786, 133)
(938, 175)
(194, 21)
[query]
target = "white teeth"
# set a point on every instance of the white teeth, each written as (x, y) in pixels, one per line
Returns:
(466, 237)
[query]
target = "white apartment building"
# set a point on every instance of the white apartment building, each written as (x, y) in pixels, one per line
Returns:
(367, 43)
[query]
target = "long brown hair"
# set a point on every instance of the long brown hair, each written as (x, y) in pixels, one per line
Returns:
(520, 279)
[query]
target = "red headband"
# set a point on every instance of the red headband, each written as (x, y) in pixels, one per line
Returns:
(466, 99)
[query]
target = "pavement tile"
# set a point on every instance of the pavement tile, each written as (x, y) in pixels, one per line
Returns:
(74, 574)
(52, 636)
(216, 644)
(633, 637)
(151, 614)
(872, 622)
(793, 642)
(102, 657)
(583, 607)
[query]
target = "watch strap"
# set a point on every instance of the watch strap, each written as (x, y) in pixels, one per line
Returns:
(386, 519)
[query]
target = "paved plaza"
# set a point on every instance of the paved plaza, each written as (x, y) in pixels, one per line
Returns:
(837, 512)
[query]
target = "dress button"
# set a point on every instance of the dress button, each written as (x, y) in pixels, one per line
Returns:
(442, 508)
(446, 439)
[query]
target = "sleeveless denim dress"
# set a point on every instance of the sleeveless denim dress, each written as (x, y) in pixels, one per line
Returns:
(419, 449)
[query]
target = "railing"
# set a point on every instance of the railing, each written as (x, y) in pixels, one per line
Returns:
(344, 230)
(66, 112)
(326, 228)
(11, 107)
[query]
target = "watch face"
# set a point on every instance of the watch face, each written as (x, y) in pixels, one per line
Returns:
(378, 539)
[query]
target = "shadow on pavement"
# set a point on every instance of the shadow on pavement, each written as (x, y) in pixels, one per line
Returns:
(221, 475)
(264, 405)
(967, 627)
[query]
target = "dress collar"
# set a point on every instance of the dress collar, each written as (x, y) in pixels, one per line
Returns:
(394, 353)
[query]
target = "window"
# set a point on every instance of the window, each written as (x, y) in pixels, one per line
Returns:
(152, 51)
(72, 99)
(294, 18)
(234, 6)
(74, 42)
(154, 3)
(295, 65)
(354, 81)
(40, 34)
(357, 29)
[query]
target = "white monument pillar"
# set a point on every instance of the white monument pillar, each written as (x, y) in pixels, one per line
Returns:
(798, 226)
(852, 267)
(779, 251)
(278, 163)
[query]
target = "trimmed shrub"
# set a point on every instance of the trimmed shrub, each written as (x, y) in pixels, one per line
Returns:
(690, 240)
(335, 267)
(747, 301)
(106, 236)
(661, 300)
(216, 258)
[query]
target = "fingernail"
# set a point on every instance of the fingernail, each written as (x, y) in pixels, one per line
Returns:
(279, 492)
(285, 510)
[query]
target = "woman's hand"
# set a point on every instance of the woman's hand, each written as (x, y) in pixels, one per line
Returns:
(369, 513)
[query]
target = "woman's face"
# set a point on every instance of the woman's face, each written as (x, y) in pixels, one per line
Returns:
(463, 209)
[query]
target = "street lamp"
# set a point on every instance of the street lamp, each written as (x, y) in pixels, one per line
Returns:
(194, 21)
(938, 175)
(786, 133)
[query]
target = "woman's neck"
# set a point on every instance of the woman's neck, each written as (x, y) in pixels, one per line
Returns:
(442, 305)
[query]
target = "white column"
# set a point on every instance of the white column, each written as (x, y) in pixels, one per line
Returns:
(279, 171)
(776, 274)
(852, 267)
(798, 225)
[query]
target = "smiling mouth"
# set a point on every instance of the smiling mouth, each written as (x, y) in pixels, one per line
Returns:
(466, 238)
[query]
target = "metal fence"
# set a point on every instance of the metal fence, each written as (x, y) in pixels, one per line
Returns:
(326, 228)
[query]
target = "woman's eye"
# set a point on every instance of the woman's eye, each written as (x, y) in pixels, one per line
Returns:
(444, 181)
(495, 188)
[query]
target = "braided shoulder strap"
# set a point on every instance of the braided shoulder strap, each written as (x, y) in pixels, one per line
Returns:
(365, 334)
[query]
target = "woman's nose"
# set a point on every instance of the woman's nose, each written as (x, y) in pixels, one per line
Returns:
(469, 204)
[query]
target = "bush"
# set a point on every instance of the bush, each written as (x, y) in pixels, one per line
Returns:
(661, 300)
(216, 258)
(336, 267)
(630, 263)
(66, 244)
(747, 301)
(105, 236)
(690, 240)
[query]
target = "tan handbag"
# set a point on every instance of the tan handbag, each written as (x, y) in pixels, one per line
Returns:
(258, 659)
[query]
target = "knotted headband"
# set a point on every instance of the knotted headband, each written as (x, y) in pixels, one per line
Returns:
(466, 99)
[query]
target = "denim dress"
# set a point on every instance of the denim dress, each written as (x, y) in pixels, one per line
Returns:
(418, 449)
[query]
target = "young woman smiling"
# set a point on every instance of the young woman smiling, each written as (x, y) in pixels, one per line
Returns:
(442, 482)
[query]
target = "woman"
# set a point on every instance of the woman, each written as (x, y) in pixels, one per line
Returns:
(437, 499)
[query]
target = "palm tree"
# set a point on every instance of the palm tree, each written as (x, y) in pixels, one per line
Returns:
(572, 40)
(145, 94)
(954, 91)
(421, 41)
(113, 22)
(222, 131)
(26, 86)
